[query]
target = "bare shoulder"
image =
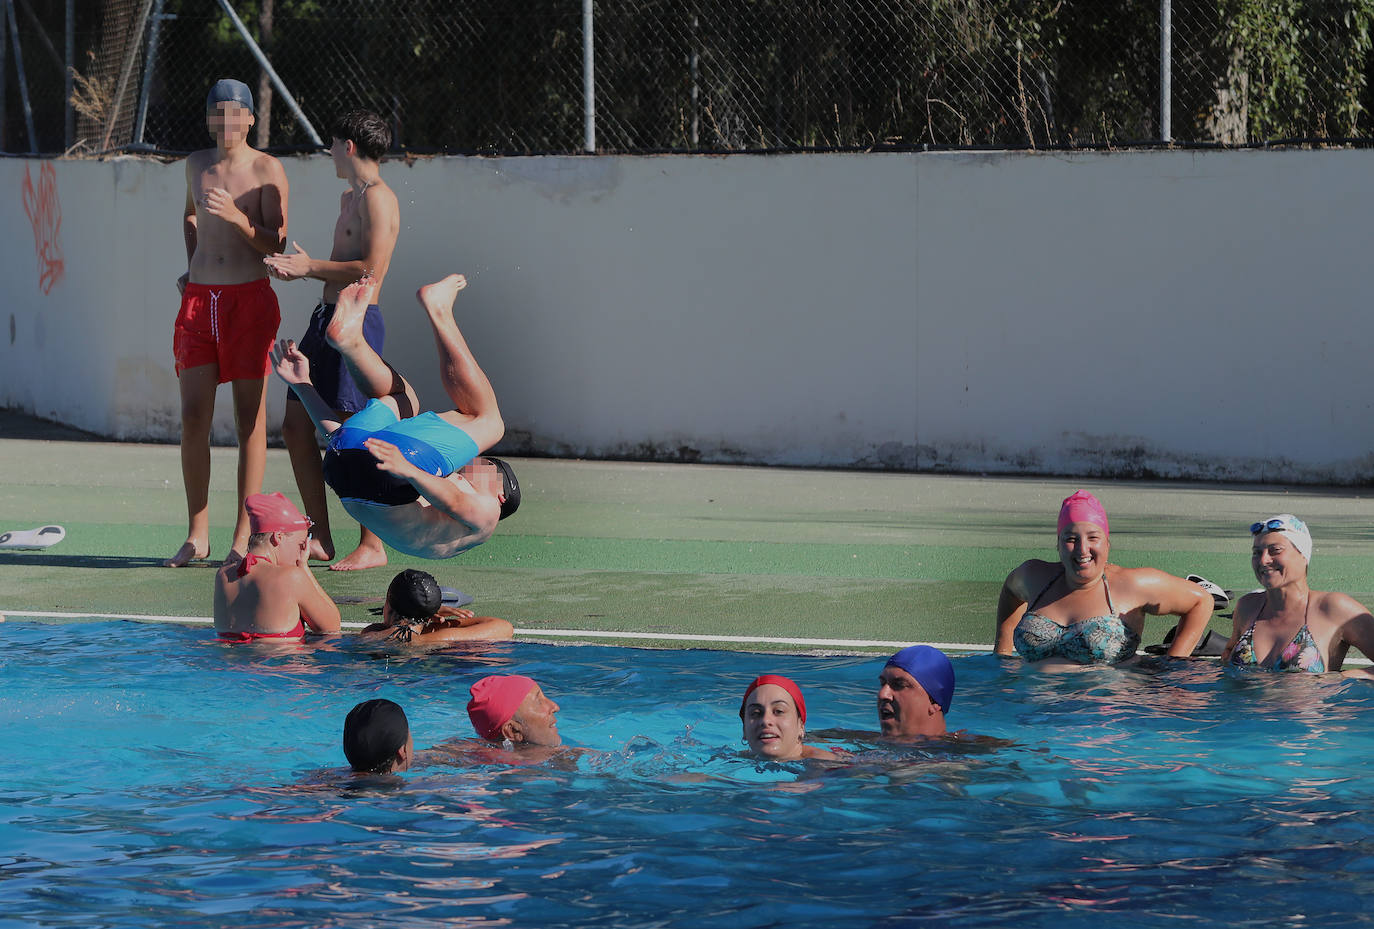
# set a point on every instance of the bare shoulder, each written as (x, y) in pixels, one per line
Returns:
(1142, 578)
(1030, 573)
(380, 200)
(1340, 606)
(198, 161)
(268, 166)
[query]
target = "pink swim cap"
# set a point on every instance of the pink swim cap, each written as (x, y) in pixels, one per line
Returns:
(495, 700)
(1082, 507)
(785, 683)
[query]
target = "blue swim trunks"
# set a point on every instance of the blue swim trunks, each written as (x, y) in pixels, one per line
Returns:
(328, 372)
(431, 443)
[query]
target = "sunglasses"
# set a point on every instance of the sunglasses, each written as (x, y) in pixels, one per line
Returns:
(1274, 525)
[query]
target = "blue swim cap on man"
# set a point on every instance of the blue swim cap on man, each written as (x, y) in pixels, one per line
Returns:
(229, 90)
(932, 669)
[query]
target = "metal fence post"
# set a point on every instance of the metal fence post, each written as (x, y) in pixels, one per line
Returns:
(23, 79)
(69, 114)
(149, 69)
(1166, 54)
(588, 81)
(272, 73)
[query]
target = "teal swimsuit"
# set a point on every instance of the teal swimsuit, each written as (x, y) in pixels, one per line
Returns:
(1301, 654)
(1095, 640)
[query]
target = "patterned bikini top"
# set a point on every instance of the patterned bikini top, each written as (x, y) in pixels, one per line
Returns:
(1095, 640)
(1301, 654)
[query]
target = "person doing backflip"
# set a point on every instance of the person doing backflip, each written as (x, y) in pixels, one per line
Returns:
(364, 239)
(235, 214)
(418, 481)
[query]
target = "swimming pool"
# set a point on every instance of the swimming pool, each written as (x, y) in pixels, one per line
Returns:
(153, 777)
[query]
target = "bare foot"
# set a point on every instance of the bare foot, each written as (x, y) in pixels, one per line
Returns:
(321, 549)
(346, 328)
(361, 558)
(437, 298)
(190, 551)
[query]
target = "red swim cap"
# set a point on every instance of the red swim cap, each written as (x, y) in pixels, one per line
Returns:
(495, 700)
(1082, 507)
(785, 683)
(274, 513)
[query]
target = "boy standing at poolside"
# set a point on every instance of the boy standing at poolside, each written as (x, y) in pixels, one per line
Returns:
(235, 213)
(364, 239)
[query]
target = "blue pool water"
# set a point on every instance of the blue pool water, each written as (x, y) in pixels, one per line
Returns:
(151, 777)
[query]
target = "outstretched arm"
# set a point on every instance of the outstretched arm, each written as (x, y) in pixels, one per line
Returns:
(294, 368)
(380, 221)
(479, 513)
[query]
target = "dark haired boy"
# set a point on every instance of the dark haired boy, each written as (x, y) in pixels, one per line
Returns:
(364, 239)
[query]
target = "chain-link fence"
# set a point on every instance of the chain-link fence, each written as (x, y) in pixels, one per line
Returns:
(696, 75)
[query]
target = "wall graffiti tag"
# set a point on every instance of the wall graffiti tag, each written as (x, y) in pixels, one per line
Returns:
(45, 213)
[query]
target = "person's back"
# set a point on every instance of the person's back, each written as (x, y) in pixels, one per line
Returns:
(271, 593)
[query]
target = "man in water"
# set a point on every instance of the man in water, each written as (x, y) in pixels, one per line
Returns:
(414, 613)
(510, 708)
(418, 481)
(235, 213)
(915, 689)
(364, 239)
(270, 594)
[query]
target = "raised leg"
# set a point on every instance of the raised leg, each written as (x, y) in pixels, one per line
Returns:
(197, 387)
(474, 400)
(250, 419)
(370, 371)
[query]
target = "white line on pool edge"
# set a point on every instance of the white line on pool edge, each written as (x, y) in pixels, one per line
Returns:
(582, 634)
(551, 633)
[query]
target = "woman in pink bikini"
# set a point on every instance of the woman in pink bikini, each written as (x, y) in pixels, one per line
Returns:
(1287, 626)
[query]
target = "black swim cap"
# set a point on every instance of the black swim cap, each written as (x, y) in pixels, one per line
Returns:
(230, 91)
(414, 594)
(510, 487)
(353, 472)
(373, 733)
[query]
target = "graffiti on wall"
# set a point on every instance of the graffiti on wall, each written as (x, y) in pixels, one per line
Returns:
(45, 213)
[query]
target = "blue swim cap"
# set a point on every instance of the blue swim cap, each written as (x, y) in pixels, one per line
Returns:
(229, 90)
(931, 668)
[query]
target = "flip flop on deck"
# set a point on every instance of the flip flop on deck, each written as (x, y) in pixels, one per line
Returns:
(29, 539)
(455, 598)
(1220, 598)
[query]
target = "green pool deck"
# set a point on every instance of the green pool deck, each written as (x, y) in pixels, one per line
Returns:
(664, 550)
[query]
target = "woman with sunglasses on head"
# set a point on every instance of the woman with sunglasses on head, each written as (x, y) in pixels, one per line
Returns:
(1083, 610)
(1286, 625)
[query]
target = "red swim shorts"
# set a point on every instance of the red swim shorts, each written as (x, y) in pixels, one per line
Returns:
(230, 325)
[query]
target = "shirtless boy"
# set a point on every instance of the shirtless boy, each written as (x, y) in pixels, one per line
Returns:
(416, 481)
(235, 213)
(364, 239)
(271, 594)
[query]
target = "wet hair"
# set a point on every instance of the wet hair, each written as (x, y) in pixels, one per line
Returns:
(364, 129)
(414, 594)
(510, 487)
(374, 732)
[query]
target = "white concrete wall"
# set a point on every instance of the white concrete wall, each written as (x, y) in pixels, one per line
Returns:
(1189, 314)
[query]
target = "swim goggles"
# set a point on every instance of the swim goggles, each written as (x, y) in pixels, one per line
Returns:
(1277, 525)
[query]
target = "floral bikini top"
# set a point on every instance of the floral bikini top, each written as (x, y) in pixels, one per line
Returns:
(1301, 654)
(1095, 640)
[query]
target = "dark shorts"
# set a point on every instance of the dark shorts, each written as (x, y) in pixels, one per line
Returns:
(328, 371)
(232, 326)
(428, 441)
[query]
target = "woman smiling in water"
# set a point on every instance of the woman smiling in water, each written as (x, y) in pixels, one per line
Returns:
(1287, 626)
(774, 716)
(1084, 610)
